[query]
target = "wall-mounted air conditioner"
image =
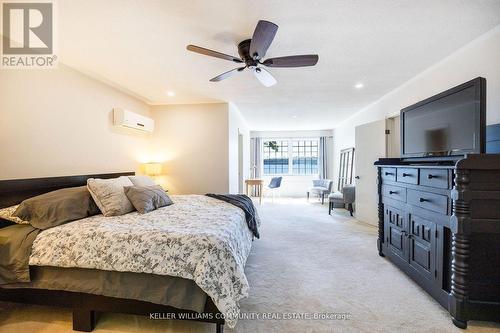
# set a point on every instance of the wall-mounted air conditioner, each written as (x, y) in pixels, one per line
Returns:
(122, 117)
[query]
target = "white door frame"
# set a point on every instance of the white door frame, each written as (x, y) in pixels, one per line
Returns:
(240, 162)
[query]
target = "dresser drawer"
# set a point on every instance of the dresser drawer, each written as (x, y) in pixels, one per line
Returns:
(434, 178)
(430, 201)
(407, 175)
(388, 174)
(394, 192)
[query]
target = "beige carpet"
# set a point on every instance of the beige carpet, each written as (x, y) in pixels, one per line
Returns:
(305, 262)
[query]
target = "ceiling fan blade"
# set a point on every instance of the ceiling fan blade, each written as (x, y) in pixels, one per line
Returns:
(211, 53)
(293, 61)
(227, 74)
(264, 77)
(262, 38)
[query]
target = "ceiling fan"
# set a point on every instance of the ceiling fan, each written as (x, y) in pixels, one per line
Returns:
(252, 51)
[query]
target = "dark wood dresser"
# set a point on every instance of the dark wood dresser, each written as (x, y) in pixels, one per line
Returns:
(440, 224)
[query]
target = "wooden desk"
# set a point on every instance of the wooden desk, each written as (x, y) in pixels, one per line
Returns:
(258, 183)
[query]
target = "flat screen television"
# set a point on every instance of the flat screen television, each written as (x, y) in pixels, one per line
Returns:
(448, 125)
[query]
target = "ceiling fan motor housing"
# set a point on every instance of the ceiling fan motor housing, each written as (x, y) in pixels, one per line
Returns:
(244, 52)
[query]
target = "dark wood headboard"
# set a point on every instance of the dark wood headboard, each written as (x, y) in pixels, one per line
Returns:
(15, 191)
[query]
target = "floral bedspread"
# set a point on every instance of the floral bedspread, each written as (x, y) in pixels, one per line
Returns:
(197, 238)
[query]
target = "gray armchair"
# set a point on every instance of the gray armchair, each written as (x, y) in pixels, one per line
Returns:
(320, 187)
(341, 199)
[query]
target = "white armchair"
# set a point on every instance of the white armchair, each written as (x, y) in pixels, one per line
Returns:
(321, 187)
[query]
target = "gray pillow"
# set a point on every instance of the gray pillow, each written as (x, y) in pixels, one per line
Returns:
(147, 198)
(142, 180)
(109, 195)
(57, 207)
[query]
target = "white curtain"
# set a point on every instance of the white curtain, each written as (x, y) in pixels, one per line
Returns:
(323, 162)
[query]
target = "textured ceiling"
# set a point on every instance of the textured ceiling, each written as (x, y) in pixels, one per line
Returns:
(140, 46)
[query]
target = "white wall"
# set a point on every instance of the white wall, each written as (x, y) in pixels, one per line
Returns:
(58, 122)
(481, 57)
(237, 125)
(191, 141)
(290, 134)
(296, 186)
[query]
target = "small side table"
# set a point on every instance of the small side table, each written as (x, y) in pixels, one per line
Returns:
(255, 182)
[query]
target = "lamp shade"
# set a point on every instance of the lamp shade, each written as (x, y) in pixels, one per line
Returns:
(152, 169)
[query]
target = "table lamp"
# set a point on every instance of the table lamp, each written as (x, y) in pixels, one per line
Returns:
(152, 169)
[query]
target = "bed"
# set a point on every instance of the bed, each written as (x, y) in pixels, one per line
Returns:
(185, 261)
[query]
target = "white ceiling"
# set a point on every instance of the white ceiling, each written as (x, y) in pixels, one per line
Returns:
(140, 46)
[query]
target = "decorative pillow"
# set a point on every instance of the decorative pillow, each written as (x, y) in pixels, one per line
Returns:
(142, 181)
(8, 214)
(57, 207)
(147, 198)
(109, 195)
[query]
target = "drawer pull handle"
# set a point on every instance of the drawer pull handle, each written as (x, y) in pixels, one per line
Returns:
(393, 192)
(424, 200)
(388, 173)
(406, 174)
(431, 176)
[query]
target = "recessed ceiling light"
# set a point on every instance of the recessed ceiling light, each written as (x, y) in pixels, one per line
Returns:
(359, 85)
(170, 93)
(295, 117)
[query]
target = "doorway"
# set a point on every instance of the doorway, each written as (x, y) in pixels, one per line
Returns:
(393, 137)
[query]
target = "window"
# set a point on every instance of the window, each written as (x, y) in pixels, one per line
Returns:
(290, 157)
(276, 160)
(305, 157)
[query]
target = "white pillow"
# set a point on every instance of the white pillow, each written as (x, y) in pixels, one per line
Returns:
(142, 181)
(8, 214)
(109, 195)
